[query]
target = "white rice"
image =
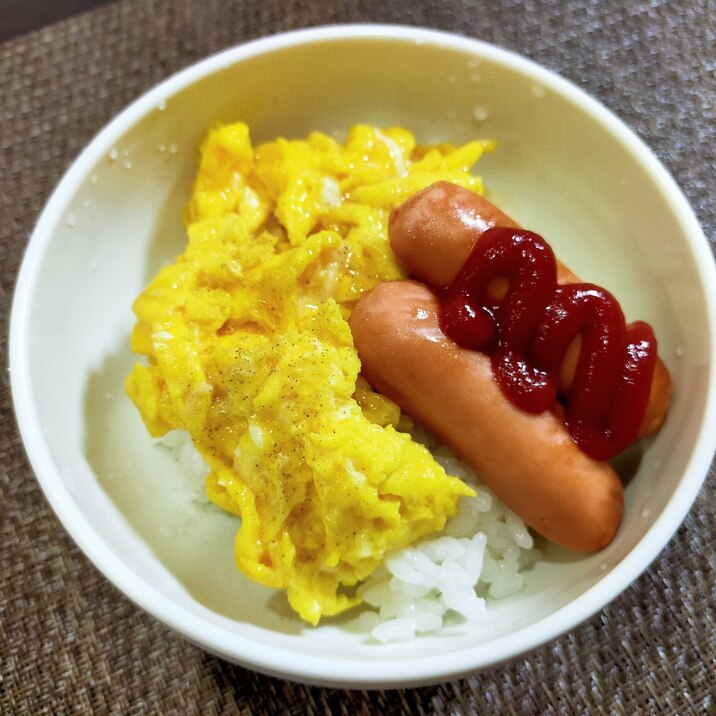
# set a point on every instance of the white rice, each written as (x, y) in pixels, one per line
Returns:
(190, 461)
(480, 556)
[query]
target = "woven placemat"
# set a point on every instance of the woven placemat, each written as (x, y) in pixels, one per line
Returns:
(69, 642)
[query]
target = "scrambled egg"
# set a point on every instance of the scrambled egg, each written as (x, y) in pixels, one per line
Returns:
(248, 348)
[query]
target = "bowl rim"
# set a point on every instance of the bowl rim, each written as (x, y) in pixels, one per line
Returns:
(272, 660)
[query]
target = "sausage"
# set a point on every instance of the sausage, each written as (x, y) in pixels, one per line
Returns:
(433, 233)
(528, 460)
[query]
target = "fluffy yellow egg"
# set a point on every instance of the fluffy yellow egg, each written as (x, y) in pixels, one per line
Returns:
(248, 348)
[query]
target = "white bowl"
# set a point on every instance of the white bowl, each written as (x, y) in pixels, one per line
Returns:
(564, 167)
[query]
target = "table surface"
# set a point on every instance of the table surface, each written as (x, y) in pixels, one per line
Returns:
(21, 16)
(69, 641)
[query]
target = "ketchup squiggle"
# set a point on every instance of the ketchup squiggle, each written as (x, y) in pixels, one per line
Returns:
(505, 302)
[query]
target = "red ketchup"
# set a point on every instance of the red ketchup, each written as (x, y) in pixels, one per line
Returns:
(527, 325)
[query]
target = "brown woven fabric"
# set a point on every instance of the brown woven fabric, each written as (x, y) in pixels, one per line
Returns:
(69, 642)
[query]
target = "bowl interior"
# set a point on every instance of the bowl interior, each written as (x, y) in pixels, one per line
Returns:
(561, 167)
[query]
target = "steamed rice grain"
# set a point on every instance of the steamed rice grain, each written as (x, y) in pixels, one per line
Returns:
(481, 555)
